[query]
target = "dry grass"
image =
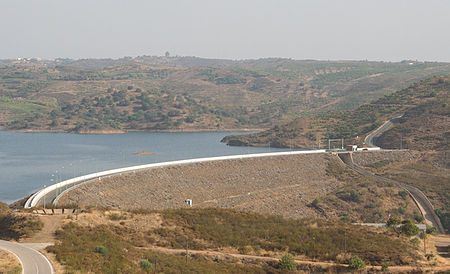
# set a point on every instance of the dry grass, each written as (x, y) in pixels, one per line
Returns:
(9, 264)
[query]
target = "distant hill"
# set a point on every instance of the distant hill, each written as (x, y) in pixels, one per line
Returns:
(424, 125)
(188, 93)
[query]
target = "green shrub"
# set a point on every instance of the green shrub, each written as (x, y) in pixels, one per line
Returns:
(385, 267)
(146, 265)
(393, 221)
(404, 194)
(415, 241)
(409, 228)
(431, 230)
(356, 263)
(102, 250)
(287, 262)
(354, 195)
(315, 202)
(419, 218)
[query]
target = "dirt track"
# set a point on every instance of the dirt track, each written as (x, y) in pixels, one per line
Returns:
(275, 185)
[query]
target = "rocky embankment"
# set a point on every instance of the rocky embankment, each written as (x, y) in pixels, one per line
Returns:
(282, 185)
(365, 158)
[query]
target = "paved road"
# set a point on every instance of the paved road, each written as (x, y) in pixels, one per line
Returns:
(32, 261)
(370, 139)
(425, 206)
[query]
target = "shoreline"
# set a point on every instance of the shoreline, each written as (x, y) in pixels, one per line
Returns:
(108, 132)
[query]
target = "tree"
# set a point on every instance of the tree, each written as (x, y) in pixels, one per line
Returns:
(393, 221)
(409, 228)
(356, 263)
(287, 262)
(431, 230)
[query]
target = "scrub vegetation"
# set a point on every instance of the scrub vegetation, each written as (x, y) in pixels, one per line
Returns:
(183, 93)
(424, 107)
(14, 226)
(88, 248)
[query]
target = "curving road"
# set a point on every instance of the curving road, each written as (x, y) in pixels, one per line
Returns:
(424, 205)
(32, 261)
(369, 140)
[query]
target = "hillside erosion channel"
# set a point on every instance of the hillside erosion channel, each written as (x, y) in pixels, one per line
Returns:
(282, 185)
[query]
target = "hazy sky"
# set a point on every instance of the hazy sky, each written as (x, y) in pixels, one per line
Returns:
(388, 30)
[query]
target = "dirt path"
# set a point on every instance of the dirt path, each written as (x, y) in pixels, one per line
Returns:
(46, 235)
(246, 258)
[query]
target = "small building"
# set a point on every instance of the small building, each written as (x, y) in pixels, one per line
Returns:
(189, 202)
(351, 147)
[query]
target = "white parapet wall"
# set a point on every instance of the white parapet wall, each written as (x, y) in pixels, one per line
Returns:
(34, 199)
(367, 148)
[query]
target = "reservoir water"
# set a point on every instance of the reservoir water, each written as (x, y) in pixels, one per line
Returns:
(29, 161)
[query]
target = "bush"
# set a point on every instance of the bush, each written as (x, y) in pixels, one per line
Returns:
(116, 217)
(356, 263)
(409, 228)
(146, 265)
(431, 230)
(384, 267)
(403, 194)
(393, 221)
(415, 241)
(102, 250)
(354, 195)
(287, 262)
(419, 218)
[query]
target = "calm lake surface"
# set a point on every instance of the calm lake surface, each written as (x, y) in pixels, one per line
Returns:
(28, 161)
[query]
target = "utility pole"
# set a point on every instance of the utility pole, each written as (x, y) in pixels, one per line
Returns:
(187, 249)
(345, 242)
(424, 242)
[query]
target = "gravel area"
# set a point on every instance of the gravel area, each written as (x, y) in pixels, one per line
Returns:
(281, 185)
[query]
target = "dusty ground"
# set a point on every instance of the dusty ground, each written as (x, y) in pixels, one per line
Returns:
(46, 235)
(276, 185)
(9, 263)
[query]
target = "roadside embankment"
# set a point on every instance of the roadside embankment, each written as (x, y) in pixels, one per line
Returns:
(282, 185)
(364, 158)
